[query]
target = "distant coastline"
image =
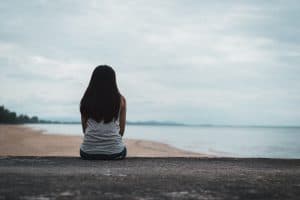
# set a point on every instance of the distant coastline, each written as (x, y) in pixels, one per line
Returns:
(164, 123)
(9, 117)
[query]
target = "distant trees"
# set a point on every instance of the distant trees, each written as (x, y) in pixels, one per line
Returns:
(8, 117)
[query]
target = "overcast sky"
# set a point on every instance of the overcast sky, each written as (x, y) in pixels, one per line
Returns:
(217, 62)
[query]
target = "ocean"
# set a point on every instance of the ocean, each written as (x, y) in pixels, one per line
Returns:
(266, 142)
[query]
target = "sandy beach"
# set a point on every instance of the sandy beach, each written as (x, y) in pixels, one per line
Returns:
(28, 172)
(19, 140)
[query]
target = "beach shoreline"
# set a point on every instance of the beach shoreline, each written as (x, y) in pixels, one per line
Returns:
(20, 140)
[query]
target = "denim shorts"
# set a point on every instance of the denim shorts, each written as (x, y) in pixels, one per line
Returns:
(116, 156)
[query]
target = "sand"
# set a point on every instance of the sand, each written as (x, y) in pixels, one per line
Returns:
(19, 140)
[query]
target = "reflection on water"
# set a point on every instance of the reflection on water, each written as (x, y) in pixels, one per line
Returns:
(225, 141)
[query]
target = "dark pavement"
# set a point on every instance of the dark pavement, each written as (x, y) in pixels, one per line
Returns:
(41, 178)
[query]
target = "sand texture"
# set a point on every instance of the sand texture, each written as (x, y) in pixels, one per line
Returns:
(19, 140)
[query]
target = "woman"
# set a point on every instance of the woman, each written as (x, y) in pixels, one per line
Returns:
(103, 117)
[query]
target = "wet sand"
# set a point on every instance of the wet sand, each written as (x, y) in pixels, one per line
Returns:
(19, 140)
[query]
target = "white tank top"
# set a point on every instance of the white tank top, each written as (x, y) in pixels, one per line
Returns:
(100, 138)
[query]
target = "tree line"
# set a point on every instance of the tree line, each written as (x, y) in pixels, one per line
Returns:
(8, 117)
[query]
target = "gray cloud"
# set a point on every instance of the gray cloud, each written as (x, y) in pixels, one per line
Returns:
(191, 61)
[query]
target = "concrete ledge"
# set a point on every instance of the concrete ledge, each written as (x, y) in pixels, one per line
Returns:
(149, 178)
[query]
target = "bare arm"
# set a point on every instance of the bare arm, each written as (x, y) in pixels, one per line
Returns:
(122, 116)
(83, 123)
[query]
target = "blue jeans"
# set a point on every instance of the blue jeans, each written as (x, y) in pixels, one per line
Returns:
(116, 156)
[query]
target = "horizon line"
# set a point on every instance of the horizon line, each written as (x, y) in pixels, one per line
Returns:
(174, 123)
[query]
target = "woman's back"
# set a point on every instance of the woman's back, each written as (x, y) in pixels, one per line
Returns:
(102, 138)
(103, 117)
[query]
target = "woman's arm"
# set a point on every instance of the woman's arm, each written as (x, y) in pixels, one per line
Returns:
(122, 115)
(83, 123)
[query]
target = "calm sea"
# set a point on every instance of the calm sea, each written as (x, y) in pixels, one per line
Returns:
(223, 141)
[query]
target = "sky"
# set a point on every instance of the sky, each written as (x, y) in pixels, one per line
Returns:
(192, 61)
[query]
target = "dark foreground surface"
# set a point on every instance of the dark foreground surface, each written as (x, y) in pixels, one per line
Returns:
(148, 178)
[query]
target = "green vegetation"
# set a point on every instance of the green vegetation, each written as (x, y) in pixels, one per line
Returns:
(8, 117)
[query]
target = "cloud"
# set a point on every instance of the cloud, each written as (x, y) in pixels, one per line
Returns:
(192, 61)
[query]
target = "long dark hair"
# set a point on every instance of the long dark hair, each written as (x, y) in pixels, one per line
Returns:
(101, 100)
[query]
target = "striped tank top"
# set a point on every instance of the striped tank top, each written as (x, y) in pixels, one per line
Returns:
(101, 138)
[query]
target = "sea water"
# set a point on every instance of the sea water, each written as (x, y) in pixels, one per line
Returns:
(268, 142)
